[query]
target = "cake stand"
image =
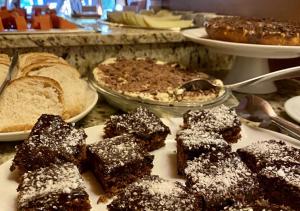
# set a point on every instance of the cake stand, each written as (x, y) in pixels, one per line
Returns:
(251, 59)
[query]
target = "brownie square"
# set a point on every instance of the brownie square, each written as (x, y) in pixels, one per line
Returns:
(221, 119)
(118, 161)
(222, 180)
(155, 193)
(56, 187)
(191, 143)
(51, 140)
(263, 153)
(281, 183)
(142, 123)
(258, 206)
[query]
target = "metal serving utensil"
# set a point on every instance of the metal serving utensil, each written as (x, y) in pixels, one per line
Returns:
(10, 72)
(207, 84)
(257, 109)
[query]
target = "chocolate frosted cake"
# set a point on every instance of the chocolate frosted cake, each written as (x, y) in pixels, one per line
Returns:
(263, 153)
(281, 183)
(155, 193)
(146, 126)
(118, 161)
(56, 187)
(222, 180)
(192, 143)
(148, 79)
(253, 30)
(51, 140)
(221, 119)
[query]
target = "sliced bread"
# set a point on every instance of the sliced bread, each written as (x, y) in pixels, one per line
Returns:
(28, 59)
(3, 72)
(4, 59)
(75, 89)
(25, 99)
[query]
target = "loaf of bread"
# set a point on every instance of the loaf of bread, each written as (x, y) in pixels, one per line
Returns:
(25, 99)
(74, 88)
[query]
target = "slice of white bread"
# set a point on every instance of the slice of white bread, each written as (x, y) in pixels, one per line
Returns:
(3, 72)
(25, 99)
(4, 59)
(36, 58)
(75, 90)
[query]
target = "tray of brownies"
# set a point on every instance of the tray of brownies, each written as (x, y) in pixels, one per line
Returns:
(204, 160)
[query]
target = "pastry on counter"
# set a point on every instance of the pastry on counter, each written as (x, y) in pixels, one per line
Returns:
(145, 125)
(51, 140)
(25, 99)
(118, 161)
(253, 30)
(149, 79)
(57, 187)
(155, 193)
(221, 119)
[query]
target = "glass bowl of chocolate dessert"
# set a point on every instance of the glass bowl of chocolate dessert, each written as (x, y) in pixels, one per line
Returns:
(129, 83)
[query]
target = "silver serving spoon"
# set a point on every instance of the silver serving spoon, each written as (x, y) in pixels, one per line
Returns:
(207, 84)
(257, 109)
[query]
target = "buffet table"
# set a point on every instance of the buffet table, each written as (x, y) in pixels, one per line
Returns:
(86, 49)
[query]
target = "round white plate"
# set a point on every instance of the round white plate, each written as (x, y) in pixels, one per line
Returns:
(199, 35)
(292, 108)
(21, 135)
(164, 162)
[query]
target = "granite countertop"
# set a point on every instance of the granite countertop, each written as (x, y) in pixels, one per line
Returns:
(99, 34)
(286, 90)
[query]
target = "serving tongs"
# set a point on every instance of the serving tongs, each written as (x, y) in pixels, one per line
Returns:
(11, 70)
(256, 109)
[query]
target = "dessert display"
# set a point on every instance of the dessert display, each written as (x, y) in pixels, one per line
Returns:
(118, 161)
(222, 180)
(263, 153)
(281, 183)
(155, 193)
(163, 19)
(43, 83)
(56, 187)
(214, 177)
(16, 19)
(253, 30)
(145, 125)
(148, 79)
(221, 120)
(192, 143)
(51, 140)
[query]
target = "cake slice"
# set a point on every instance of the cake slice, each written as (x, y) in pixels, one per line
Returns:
(192, 143)
(221, 119)
(281, 183)
(118, 161)
(146, 126)
(222, 180)
(262, 153)
(56, 187)
(50, 141)
(155, 193)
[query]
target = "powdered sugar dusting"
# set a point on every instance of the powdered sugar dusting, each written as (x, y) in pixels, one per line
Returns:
(290, 173)
(155, 193)
(216, 118)
(228, 177)
(48, 183)
(118, 151)
(195, 138)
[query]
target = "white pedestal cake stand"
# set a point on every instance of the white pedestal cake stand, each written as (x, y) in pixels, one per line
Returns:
(251, 59)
